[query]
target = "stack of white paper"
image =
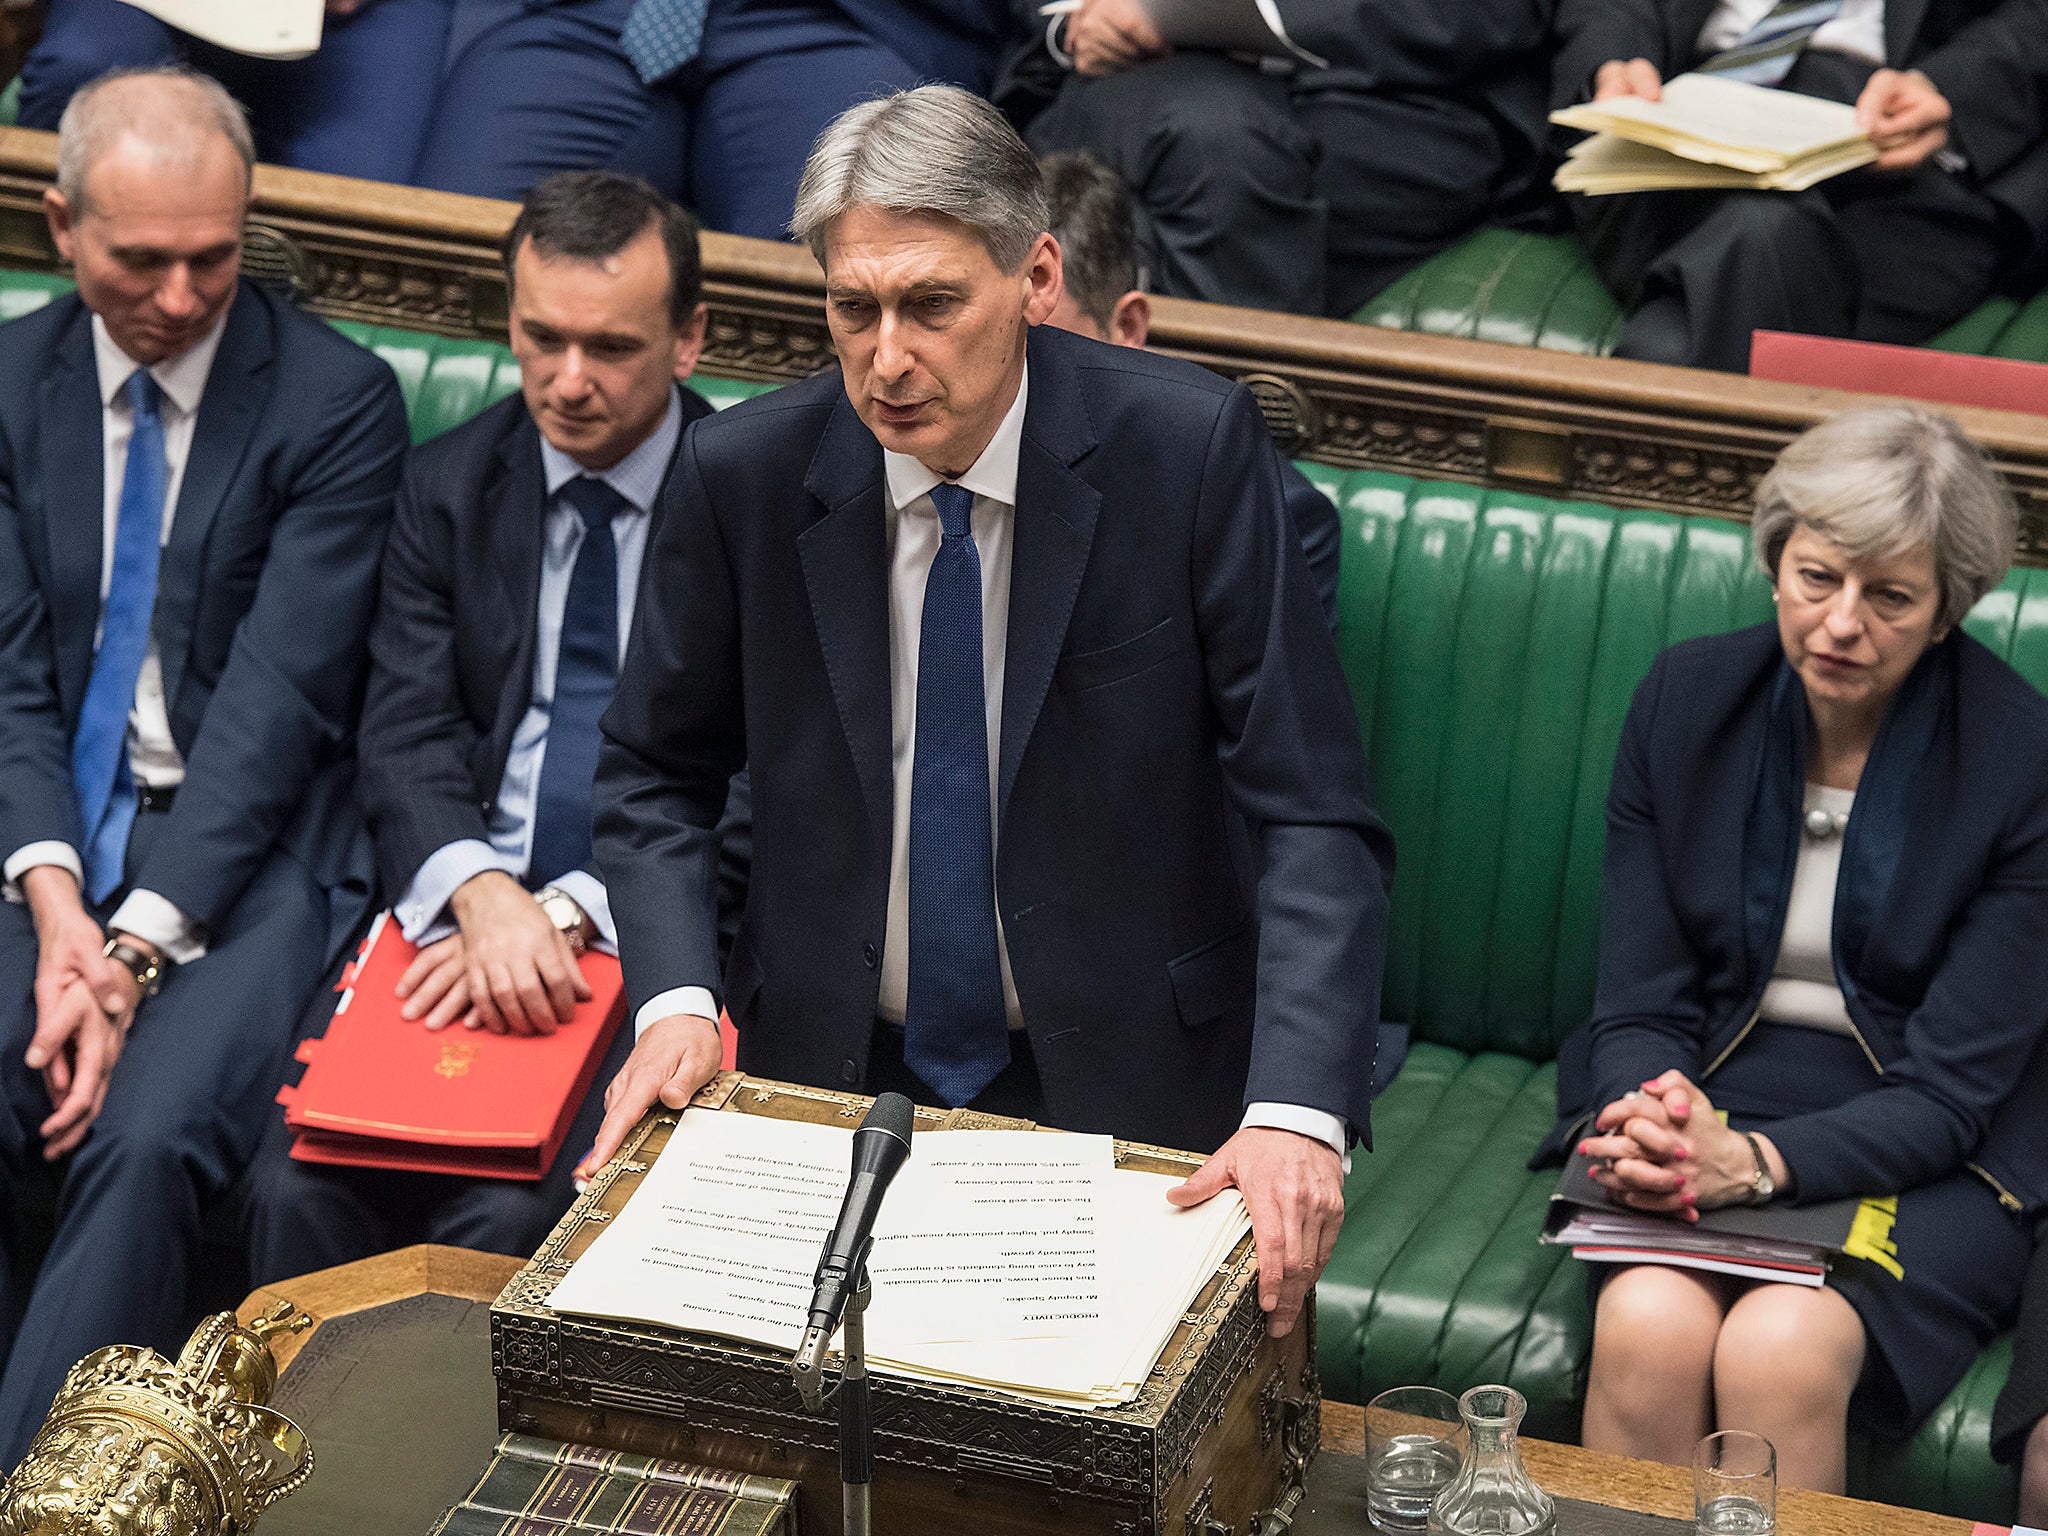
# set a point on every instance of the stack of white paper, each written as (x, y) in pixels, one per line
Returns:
(1019, 1261)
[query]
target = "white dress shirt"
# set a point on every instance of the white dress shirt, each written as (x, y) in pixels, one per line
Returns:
(153, 757)
(1857, 29)
(914, 533)
(422, 911)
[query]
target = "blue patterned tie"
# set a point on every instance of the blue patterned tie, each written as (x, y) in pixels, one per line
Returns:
(661, 36)
(586, 669)
(955, 1035)
(99, 751)
(1764, 55)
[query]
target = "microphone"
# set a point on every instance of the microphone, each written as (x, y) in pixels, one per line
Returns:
(880, 1147)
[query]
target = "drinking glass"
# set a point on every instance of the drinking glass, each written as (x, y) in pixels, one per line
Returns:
(1735, 1485)
(1414, 1445)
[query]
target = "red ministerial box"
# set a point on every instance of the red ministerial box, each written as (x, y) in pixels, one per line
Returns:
(383, 1091)
(1919, 373)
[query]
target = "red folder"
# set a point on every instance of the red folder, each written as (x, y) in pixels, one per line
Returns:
(1919, 373)
(381, 1091)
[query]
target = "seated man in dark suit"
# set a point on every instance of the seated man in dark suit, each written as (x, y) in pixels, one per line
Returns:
(1310, 188)
(195, 480)
(715, 102)
(358, 106)
(508, 591)
(1955, 92)
(1089, 208)
(1016, 641)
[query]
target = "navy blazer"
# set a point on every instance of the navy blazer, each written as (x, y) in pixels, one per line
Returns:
(1941, 909)
(1169, 677)
(451, 651)
(264, 592)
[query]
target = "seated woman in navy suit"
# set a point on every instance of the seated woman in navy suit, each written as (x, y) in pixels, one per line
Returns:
(1823, 971)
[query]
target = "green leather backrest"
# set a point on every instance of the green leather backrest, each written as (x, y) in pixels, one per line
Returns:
(1493, 642)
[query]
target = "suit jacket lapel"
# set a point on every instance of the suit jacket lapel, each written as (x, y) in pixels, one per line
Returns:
(845, 558)
(1902, 19)
(515, 509)
(72, 450)
(1053, 532)
(236, 388)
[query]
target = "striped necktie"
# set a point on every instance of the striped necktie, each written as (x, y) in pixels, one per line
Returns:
(1764, 54)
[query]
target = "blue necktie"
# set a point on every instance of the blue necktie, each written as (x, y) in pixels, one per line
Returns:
(99, 751)
(586, 669)
(661, 36)
(1764, 55)
(955, 1034)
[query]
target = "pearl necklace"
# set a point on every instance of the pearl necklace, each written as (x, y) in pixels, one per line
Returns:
(1821, 825)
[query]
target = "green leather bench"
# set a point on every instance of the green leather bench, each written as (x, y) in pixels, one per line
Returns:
(1542, 291)
(1492, 641)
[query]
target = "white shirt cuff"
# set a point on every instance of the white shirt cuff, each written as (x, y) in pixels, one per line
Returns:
(422, 911)
(150, 916)
(588, 892)
(1299, 1118)
(29, 855)
(675, 1000)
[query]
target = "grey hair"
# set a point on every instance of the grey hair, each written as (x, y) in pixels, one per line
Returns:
(1883, 481)
(101, 111)
(937, 149)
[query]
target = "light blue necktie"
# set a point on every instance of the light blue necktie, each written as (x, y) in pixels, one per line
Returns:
(99, 751)
(955, 1034)
(661, 36)
(1764, 55)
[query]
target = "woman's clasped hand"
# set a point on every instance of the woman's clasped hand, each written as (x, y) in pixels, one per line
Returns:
(1663, 1147)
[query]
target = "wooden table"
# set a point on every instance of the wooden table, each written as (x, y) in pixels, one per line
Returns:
(1567, 1471)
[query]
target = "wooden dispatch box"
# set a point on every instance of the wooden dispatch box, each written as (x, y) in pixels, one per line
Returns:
(1217, 1442)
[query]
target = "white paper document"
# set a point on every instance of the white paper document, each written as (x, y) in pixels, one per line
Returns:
(1020, 1260)
(263, 29)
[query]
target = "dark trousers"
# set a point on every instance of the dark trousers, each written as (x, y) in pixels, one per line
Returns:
(184, 1111)
(1877, 257)
(1015, 1091)
(533, 90)
(305, 1216)
(357, 107)
(1255, 191)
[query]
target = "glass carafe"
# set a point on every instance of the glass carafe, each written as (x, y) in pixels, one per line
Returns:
(1492, 1495)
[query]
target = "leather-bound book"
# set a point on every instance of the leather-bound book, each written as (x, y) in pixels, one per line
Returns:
(535, 1487)
(384, 1091)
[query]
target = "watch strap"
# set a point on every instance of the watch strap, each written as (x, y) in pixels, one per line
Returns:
(1761, 1185)
(148, 970)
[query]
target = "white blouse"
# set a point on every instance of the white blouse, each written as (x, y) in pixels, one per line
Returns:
(1802, 988)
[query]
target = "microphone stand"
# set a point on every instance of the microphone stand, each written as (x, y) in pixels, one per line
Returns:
(856, 1418)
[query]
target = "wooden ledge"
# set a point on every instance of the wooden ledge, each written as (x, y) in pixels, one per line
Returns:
(1514, 418)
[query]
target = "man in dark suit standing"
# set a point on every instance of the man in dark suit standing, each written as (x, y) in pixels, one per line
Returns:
(1955, 93)
(1015, 639)
(508, 590)
(194, 485)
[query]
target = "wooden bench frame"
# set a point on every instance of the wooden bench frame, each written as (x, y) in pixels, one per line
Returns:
(1630, 434)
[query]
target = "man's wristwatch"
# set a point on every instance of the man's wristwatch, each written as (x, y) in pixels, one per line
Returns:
(1761, 1185)
(148, 970)
(569, 918)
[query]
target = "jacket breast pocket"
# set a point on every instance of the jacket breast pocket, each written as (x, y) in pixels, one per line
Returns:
(1084, 670)
(1213, 978)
